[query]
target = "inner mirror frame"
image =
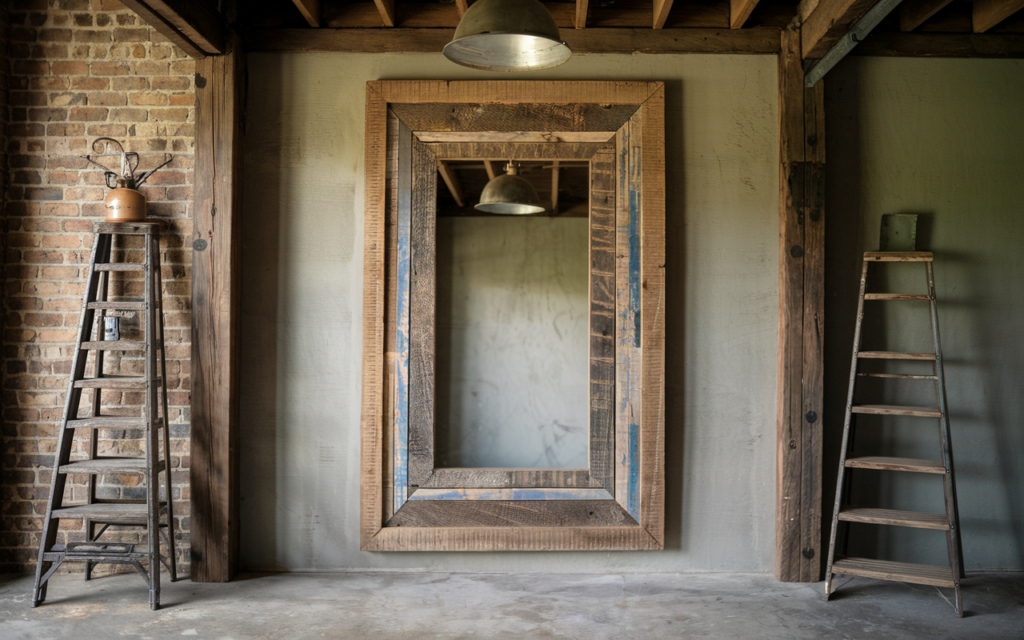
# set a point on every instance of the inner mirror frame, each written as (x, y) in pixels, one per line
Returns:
(618, 502)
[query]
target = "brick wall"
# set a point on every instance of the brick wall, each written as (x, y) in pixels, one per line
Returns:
(78, 70)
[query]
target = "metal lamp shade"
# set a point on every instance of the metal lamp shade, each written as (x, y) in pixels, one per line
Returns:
(509, 194)
(507, 35)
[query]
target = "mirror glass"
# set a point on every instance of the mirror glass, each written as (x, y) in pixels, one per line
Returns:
(512, 371)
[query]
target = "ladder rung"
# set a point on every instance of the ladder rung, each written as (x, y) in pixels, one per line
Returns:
(115, 345)
(120, 304)
(894, 355)
(898, 256)
(895, 518)
(120, 266)
(112, 422)
(108, 465)
(114, 382)
(896, 410)
(895, 571)
(897, 375)
(896, 464)
(106, 511)
(896, 296)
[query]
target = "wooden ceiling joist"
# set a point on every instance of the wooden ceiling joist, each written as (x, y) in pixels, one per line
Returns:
(310, 10)
(462, 6)
(448, 175)
(386, 8)
(828, 23)
(913, 13)
(582, 6)
(192, 25)
(739, 11)
(661, 9)
(988, 13)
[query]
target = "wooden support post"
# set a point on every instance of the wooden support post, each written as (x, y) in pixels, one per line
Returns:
(220, 83)
(801, 319)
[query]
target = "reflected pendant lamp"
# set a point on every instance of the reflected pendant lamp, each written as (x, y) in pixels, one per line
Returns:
(507, 35)
(509, 193)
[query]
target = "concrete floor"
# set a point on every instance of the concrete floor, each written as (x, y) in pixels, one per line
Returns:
(445, 605)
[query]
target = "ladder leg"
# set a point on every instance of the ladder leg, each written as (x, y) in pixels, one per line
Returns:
(65, 440)
(95, 399)
(165, 425)
(846, 431)
(152, 443)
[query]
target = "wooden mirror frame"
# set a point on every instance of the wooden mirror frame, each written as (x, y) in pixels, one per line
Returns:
(618, 502)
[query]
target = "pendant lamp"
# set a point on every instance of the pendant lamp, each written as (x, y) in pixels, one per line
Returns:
(507, 35)
(509, 193)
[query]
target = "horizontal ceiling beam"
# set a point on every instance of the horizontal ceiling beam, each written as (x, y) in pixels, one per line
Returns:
(399, 40)
(192, 25)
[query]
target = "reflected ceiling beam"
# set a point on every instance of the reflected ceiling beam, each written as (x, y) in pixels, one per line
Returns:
(489, 165)
(310, 10)
(448, 175)
(192, 25)
(988, 13)
(828, 23)
(913, 13)
(739, 11)
(661, 9)
(581, 13)
(387, 11)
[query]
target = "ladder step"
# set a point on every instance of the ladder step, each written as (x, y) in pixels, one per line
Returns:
(897, 375)
(108, 465)
(111, 422)
(896, 464)
(895, 410)
(895, 571)
(115, 382)
(120, 266)
(914, 519)
(114, 345)
(125, 304)
(107, 512)
(896, 296)
(895, 355)
(898, 256)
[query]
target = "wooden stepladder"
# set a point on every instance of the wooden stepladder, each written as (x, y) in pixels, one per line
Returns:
(154, 513)
(949, 521)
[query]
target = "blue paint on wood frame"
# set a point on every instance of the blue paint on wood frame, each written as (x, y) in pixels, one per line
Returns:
(633, 502)
(634, 260)
(404, 269)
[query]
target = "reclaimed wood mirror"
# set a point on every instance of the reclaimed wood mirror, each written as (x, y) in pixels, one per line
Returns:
(412, 500)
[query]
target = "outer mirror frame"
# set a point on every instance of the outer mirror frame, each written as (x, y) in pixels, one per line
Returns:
(618, 502)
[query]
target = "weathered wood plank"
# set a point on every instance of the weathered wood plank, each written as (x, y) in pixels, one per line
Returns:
(422, 316)
(506, 538)
(310, 10)
(525, 478)
(386, 8)
(403, 338)
(213, 473)
(988, 13)
(739, 11)
(914, 12)
(829, 22)
(509, 513)
(514, 117)
(390, 379)
(602, 317)
(604, 40)
(516, 494)
(514, 150)
(514, 136)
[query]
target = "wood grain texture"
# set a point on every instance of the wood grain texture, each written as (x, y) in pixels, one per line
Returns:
(514, 136)
(942, 45)
(914, 12)
(403, 296)
(505, 538)
(514, 117)
(512, 91)
(988, 13)
(661, 9)
(603, 40)
(196, 20)
(508, 513)
(898, 571)
(514, 150)
(582, 7)
(391, 369)
(386, 8)
(497, 478)
(828, 23)
(310, 10)
(898, 256)
(739, 11)
(215, 290)
(801, 320)
(422, 316)
(602, 317)
(514, 494)
(462, 6)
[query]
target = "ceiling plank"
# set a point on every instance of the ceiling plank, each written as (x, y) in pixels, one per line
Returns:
(310, 10)
(387, 11)
(582, 6)
(740, 41)
(448, 175)
(739, 11)
(913, 13)
(462, 6)
(661, 9)
(828, 23)
(989, 13)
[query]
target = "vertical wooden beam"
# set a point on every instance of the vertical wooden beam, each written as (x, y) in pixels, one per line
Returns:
(220, 82)
(661, 9)
(801, 319)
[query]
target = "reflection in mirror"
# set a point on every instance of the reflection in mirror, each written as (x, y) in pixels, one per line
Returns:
(512, 370)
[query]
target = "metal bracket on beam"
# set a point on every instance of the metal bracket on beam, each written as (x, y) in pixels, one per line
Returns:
(853, 37)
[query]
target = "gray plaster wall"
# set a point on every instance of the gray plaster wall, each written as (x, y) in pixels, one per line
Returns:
(302, 296)
(942, 139)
